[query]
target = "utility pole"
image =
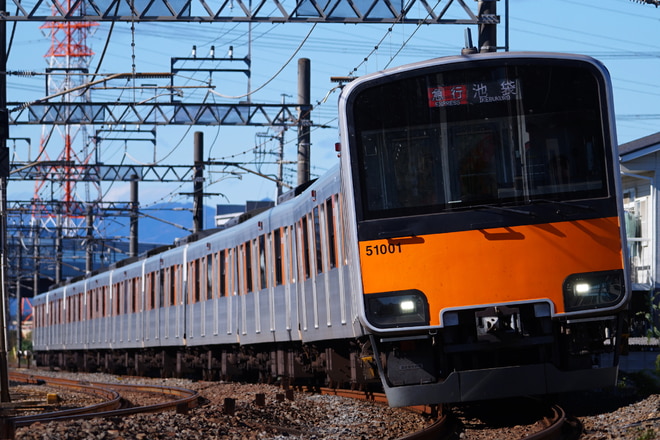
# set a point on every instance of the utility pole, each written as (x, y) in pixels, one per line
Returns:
(304, 121)
(58, 246)
(198, 183)
(133, 243)
(280, 154)
(4, 174)
(487, 31)
(89, 241)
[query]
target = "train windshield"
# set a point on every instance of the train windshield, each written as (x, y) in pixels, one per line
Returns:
(494, 135)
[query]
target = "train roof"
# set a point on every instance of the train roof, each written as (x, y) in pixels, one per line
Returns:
(283, 202)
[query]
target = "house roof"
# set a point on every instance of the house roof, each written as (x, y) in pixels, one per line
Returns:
(639, 147)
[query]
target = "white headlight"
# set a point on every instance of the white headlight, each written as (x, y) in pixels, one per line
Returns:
(407, 306)
(582, 288)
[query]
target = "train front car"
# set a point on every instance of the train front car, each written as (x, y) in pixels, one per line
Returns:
(489, 240)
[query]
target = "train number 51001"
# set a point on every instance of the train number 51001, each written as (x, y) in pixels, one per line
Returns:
(383, 249)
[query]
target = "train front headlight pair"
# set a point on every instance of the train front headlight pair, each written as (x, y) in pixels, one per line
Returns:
(593, 290)
(397, 309)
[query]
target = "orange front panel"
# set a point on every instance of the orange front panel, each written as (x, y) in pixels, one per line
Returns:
(489, 266)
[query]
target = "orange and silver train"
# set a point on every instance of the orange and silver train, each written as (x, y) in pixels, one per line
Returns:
(468, 246)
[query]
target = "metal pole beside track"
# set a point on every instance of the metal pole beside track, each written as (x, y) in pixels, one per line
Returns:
(304, 120)
(198, 183)
(4, 174)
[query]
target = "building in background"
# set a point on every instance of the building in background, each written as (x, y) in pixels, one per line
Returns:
(640, 169)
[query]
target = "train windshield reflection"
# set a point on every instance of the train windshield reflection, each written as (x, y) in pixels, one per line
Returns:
(461, 139)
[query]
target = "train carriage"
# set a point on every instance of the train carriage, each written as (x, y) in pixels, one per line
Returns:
(488, 217)
(468, 246)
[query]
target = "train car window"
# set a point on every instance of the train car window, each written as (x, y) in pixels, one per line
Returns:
(97, 302)
(318, 248)
(151, 291)
(165, 286)
(209, 276)
(104, 301)
(92, 304)
(125, 305)
(340, 231)
(146, 302)
(277, 254)
(175, 291)
(159, 282)
(453, 139)
(330, 225)
(128, 296)
(100, 310)
(114, 300)
(232, 272)
(201, 282)
(67, 308)
(222, 276)
(137, 293)
(305, 247)
(193, 277)
(146, 298)
(288, 272)
(263, 282)
(248, 266)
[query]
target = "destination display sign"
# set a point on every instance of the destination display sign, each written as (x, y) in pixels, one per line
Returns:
(473, 93)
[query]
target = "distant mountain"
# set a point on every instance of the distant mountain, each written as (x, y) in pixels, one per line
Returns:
(163, 223)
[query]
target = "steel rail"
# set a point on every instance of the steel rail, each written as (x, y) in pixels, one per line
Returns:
(559, 427)
(442, 427)
(183, 399)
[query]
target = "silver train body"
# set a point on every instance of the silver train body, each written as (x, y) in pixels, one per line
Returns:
(459, 285)
(216, 291)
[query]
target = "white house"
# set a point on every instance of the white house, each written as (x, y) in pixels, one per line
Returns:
(640, 176)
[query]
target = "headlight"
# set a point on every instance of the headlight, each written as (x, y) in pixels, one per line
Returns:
(593, 290)
(397, 309)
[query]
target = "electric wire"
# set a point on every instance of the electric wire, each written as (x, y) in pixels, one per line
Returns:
(275, 75)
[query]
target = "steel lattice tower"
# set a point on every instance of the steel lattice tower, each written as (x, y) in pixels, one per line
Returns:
(68, 60)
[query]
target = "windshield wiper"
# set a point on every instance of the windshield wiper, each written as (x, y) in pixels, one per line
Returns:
(503, 209)
(561, 203)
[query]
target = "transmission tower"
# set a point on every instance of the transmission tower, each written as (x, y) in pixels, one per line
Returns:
(68, 61)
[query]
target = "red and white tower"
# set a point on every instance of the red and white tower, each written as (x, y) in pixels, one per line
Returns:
(68, 58)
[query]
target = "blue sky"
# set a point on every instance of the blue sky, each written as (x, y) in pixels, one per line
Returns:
(621, 33)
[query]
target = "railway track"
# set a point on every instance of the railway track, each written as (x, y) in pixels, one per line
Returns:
(553, 424)
(114, 403)
(523, 418)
